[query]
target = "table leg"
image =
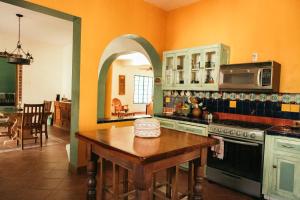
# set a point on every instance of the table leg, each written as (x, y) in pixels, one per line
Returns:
(116, 173)
(190, 180)
(175, 173)
(154, 186)
(169, 182)
(197, 190)
(125, 183)
(142, 181)
(101, 184)
(91, 172)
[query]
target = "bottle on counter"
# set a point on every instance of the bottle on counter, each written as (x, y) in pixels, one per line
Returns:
(210, 117)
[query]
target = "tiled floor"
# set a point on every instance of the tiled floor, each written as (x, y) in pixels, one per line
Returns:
(35, 174)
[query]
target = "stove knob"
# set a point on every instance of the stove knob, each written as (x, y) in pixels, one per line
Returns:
(238, 133)
(232, 132)
(245, 134)
(219, 130)
(252, 135)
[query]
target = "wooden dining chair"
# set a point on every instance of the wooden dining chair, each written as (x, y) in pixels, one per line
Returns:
(31, 124)
(47, 113)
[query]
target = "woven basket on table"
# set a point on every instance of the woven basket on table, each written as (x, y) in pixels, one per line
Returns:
(147, 128)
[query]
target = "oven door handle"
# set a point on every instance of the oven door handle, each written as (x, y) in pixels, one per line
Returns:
(231, 175)
(241, 142)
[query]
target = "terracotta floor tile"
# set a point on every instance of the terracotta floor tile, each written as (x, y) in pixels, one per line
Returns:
(46, 183)
(35, 194)
(66, 195)
(35, 174)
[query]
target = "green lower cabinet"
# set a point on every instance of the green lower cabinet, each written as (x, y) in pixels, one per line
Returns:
(286, 177)
(187, 127)
(281, 172)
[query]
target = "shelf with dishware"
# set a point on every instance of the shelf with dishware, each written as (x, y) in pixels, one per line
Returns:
(194, 68)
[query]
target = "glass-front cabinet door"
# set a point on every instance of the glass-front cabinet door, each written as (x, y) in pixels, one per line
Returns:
(196, 63)
(210, 75)
(180, 69)
(168, 70)
(286, 176)
(195, 68)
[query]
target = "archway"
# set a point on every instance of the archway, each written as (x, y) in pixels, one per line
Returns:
(123, 45)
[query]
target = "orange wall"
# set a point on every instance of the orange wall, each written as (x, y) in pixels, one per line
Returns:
(102, 21)
(269, 27)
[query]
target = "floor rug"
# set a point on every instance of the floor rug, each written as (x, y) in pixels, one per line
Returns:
(28, 144)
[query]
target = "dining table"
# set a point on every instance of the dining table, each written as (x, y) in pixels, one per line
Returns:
(144, 157)
(14, 119)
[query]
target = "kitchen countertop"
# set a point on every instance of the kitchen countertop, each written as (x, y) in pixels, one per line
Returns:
(183, 118)
(121, 119)
(286, 131)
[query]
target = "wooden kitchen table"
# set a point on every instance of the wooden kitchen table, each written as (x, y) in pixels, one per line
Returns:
(15, 119)
(144, 156)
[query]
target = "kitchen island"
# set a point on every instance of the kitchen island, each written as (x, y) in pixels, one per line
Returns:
(144, 157)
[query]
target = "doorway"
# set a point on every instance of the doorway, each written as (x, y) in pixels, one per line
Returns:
(76, 42)
(124, 45)
(131, 92)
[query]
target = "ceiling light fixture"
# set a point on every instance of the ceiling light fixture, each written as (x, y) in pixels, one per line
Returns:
(18, 56)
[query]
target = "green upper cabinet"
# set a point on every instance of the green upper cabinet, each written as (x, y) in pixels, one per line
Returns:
(7, 77)
(168, 69)
(194, 68)
(180, 71)
(282, 168)
(196, 63)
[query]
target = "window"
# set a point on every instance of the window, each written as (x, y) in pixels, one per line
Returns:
(143, 87)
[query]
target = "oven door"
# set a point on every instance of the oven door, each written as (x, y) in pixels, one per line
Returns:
(241, 78)
(241, 159)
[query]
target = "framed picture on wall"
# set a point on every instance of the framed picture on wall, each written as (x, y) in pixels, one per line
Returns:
(121, 84)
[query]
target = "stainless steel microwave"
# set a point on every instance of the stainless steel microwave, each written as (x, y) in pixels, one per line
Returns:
(258, 76)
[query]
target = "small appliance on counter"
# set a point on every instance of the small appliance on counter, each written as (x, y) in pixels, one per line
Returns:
(257, 76)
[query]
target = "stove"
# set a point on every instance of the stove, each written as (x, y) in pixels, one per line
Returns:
(239, 129)
(240, 167)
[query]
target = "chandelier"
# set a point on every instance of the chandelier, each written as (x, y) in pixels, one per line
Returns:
(18, 56)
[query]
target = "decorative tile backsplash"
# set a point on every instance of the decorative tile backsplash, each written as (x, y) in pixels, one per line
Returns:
(259, 104)
(285, 98)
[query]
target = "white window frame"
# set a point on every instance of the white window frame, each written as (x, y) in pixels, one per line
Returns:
(143, 89)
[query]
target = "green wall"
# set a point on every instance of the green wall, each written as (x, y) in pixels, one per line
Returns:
(7, 77)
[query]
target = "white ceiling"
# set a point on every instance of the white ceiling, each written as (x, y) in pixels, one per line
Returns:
(171, 4)
(35, 26)
(135, 58)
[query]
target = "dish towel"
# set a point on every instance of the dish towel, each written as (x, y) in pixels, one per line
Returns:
(218, 149)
